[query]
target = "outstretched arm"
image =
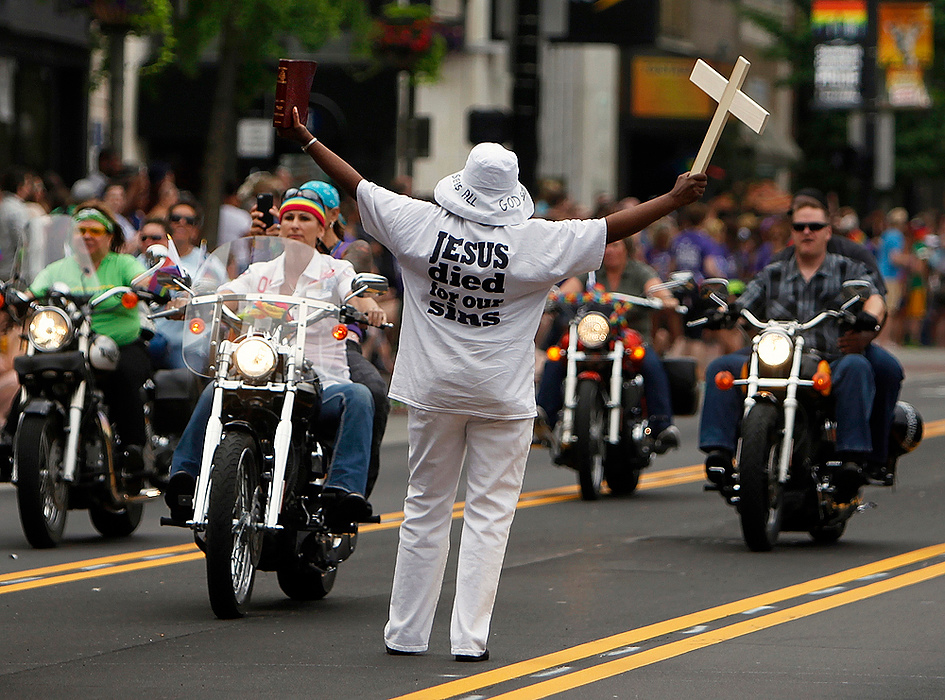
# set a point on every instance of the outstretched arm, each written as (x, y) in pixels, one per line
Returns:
(688, 188)
(346, 177)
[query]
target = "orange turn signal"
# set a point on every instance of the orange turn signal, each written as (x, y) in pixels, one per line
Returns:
(129, 300)
(637, 353)
(724, 381)
(554, 353)
(197, 326)
(822, 381)
(340, 332)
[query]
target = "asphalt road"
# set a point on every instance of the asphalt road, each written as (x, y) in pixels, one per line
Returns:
(653, 596)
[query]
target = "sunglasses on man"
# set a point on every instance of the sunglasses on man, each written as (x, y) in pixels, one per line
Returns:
(812, 225)
(152, 238)
(189, 220)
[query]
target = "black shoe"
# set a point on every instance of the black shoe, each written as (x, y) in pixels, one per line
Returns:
(718, 467)
(847, 480)
(179, 496)
(667, 440)
(484, 656)
(343, 508)
(398, 652)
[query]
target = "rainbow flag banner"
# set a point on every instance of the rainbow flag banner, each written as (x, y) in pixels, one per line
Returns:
(845, 20)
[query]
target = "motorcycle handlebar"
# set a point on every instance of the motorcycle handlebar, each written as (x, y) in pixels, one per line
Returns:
(349, 315)
(759, 324)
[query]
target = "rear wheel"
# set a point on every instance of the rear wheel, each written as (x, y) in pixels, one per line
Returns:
(622, 470)
(234, 540)
(300, 579)
(589, 439)
(761, 497)
(116, 523)
(41, 494)
(828, 533)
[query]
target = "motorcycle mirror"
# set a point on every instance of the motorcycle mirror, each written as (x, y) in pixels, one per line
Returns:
(716, 286)
(853, 289)
(156, 252)
(367, 283)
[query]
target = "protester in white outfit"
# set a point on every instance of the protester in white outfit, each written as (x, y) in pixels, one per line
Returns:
(476, 273)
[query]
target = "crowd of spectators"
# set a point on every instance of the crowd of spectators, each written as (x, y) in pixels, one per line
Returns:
(718, 238)
(149, 207)
(725, 238)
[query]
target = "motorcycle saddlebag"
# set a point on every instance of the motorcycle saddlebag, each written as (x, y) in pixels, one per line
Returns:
(683, 387)
(175, 393)
(54, 366)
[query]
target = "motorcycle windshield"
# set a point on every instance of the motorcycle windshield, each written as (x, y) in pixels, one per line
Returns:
(245, 289)
(55, 257)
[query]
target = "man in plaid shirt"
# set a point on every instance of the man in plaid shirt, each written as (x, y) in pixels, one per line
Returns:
(799, 288)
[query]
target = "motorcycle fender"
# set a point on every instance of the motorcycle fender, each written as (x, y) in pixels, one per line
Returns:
(241, 426)
(589, 375)
(40, 407)
(766, 396)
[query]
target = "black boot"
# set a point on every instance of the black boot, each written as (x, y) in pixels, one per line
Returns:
(179, 496)
(719, 468)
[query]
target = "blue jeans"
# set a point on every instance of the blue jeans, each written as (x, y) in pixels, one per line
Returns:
(853, 391)
(888, 375)
(655, 390)
(349, 406)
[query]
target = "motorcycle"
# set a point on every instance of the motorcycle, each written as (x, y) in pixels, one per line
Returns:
(66, 452)
(604, 431)
(260, 502)
(785, 466)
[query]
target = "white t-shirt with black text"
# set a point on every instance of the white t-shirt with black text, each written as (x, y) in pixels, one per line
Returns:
(473, 299)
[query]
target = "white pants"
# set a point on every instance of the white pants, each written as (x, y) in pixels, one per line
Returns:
(495, 452)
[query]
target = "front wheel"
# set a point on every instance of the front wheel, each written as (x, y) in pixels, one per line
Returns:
(589, 439)
(234, 538)
(41, 494)
(761, 496)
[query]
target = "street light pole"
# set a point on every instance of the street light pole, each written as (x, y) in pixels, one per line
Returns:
(525, 91)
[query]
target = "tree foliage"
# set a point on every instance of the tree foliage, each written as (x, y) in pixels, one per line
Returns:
(258, 30)
(246, 38)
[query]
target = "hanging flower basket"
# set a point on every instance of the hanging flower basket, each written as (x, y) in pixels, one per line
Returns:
(111, 14)
(406, 38)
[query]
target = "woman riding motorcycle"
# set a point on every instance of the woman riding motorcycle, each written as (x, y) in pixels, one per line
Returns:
(98, 238)
(345, 404)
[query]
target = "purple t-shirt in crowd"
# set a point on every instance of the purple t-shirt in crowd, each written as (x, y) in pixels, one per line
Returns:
(690, 249)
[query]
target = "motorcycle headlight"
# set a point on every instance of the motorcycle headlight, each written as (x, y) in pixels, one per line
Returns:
(593, 330)
(49, 329)
(774, 348)
(254, 359)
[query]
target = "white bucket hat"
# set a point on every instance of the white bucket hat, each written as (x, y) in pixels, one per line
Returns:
(487, 190)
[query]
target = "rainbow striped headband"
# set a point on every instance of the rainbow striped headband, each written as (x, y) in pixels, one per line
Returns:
(303, 204)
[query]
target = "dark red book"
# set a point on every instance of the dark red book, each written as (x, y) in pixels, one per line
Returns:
(293, 86)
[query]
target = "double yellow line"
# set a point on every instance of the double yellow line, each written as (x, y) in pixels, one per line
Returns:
(166, 556)
(178, 554)
(95, 568)
(831, 591)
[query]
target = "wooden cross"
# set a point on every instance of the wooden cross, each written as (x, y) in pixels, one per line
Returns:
(731, 99)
